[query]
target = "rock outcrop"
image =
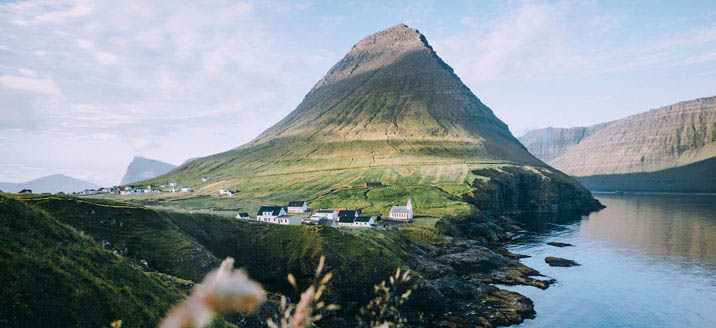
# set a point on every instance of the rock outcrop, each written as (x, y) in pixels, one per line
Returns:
(144, 168)
(559, 262)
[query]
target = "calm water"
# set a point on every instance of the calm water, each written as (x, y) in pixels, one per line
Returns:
(647, 261)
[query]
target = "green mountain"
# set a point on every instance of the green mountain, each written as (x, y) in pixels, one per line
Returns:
(391, 111)
(144, 168)
(675, 143)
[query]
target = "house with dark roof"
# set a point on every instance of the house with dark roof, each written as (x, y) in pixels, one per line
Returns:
(297, 207)
(270, 213)
(345, 214)
(243, 216)
(364, 222)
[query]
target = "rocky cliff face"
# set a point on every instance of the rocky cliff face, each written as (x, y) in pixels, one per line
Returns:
(550, 143)
(144, 168)
(659, 139)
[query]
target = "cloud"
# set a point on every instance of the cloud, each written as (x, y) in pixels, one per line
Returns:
(41, 85)
(537, 41)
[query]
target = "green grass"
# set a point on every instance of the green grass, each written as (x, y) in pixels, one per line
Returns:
(51, 275)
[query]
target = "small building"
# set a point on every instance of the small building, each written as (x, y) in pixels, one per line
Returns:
(374, 184)
(243, 216)
(270, 213)
(297, 207)
(173, 184)
(402, 213)
(25, 191)
(346, 221)
(327, 214)
(186, 189)
(327, 222)
(205, 179)
(364, 222)
(126, 192)
(225, 192)
(344, 215)
(289, 220)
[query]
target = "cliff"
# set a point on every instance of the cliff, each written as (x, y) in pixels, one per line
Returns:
(636, 149)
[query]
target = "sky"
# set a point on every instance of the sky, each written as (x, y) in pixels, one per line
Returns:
(87, 85)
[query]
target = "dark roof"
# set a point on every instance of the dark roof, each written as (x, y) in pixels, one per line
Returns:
(348, 214)
(325, 211)
(363, 219)
(296, 204)
(275, 210)
(242, 214)
(346, 219)
(374, 184)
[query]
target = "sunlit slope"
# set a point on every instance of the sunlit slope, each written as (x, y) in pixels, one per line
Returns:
(391, 110)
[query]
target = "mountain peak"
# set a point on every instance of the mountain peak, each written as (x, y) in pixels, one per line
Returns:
(377, 51)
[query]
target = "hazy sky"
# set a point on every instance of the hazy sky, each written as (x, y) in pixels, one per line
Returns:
(85, 86)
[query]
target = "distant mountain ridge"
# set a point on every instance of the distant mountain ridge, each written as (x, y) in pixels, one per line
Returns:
(144, 168)
(660, 139)
(51, 183)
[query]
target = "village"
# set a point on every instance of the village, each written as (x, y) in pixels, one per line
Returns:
(298, 213)
(293, 213)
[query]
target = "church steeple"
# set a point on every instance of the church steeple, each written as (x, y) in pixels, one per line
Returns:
(410, 205)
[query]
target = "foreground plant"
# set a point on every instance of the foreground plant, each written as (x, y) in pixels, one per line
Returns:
(382, 311)
(301, 314)
(223, 290)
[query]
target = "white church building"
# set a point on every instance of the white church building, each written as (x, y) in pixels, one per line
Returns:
(402, 213)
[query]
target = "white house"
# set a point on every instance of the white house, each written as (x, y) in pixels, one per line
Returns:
(297, 207)
(126, 192)
(186, 189)
(289, 220)
(364, 222)
(173, 184)
(402, 213)
(205, 179)
(270, 213)
(243, 216)
(225, 192)
(327, 214)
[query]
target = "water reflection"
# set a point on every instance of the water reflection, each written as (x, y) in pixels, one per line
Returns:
(647, 260)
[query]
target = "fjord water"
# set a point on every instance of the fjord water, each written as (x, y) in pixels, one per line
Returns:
(647, 260)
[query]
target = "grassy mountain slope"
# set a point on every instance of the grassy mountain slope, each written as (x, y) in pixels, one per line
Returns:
(391, 110)
(53, 276)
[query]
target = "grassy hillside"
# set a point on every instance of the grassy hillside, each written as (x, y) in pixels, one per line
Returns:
(53, 276)
(133, 231)
(391, 111)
